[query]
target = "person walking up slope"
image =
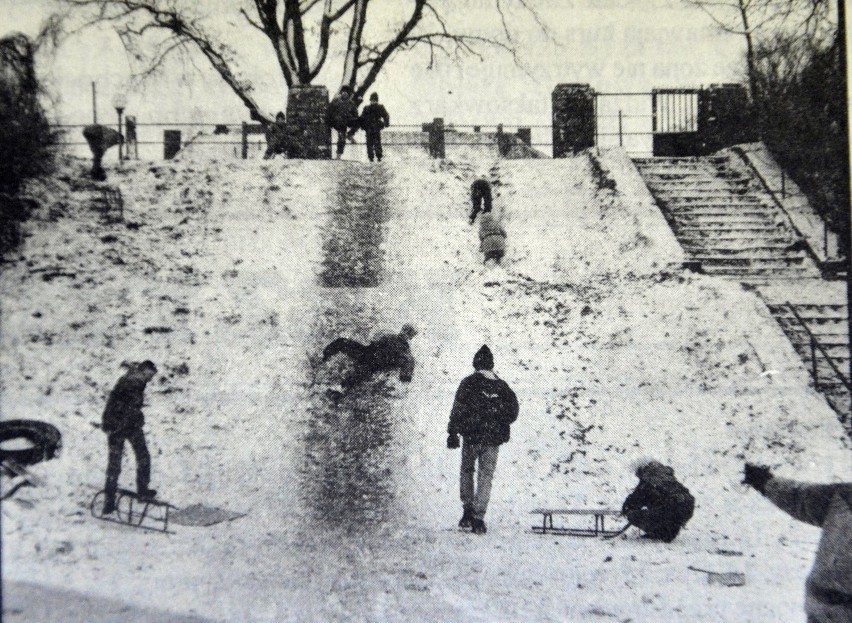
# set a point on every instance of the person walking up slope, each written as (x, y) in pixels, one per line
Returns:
(374, 118)
(483, 411)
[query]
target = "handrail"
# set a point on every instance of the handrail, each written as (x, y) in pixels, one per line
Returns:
(815, 343)
(781, 206)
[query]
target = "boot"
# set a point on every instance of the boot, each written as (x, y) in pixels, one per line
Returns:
(467, 519)
(479, 526)
(147, 494)
(109, 507)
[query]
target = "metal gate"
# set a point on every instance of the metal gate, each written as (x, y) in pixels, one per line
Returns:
(662, 122)
(675, 122)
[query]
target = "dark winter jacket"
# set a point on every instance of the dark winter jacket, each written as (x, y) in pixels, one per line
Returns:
(123, 411)
(492, 236)
(829, 586)
(660, 505)
(388, 352)
(277, 138)
(480, 196)
(374, 117)
(483, 410)
(342, 113)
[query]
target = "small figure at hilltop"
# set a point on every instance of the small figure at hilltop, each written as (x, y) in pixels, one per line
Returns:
(387, 352)
(660, 505)
(277, 140)
(828, 595)
(492, 235)
(123, 421)
(374, 118)
(483, 411)
(342, 116)
(504, 142)
(100, 138)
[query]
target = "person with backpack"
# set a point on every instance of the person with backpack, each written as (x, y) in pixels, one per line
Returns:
(828, 590)
(483, 411)
(374, 118)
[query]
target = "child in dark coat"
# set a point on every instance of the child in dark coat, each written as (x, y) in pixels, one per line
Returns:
(660, 505)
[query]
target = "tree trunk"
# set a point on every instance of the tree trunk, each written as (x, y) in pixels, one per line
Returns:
(353, 47)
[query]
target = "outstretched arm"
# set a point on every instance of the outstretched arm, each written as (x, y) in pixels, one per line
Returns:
(803, 501)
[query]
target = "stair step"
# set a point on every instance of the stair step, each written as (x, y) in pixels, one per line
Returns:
(781, 262)
(725, 251)
(692, 210)
(700, 220)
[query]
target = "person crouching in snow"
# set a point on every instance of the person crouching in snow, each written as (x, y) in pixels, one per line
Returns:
(483, 411)
(659, 506)
(387, 352)
(828, 594)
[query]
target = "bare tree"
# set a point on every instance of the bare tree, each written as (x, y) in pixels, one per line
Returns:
(753, 19)
(302, 33)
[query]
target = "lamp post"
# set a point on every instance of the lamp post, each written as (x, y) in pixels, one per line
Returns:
(119, 102)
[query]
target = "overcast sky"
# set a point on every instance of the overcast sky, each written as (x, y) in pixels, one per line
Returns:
(614, 45)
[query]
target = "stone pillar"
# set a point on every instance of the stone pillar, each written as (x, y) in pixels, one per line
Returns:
(724, 117)
(573, 118)
(525, 136)
(437, 146)
(310, 136)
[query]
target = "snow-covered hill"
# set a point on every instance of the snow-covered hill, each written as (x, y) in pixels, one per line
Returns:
(232, 275)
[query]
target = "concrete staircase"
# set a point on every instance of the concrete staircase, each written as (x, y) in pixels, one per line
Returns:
(820, 334)
(724, 219)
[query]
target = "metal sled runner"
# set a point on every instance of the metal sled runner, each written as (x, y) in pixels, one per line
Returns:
(131, 510)
(599, 516)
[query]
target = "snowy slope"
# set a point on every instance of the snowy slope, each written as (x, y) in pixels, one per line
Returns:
(240, 272)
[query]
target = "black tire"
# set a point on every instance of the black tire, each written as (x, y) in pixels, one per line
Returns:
(45, 438)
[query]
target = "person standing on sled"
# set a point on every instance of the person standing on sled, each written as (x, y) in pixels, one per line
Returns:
(123, 421)
(387, 352)
(483, 411)
(659, 505)
(828, 594)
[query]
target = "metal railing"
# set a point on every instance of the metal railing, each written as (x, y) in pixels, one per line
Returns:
(816, 346)
(780, 204)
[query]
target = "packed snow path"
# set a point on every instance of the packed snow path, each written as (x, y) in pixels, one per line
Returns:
(232, 276)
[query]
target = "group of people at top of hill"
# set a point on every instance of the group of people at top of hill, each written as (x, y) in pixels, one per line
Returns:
(343, 117)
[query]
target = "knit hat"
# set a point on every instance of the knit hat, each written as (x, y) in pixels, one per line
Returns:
(374, 97)
(483, 359)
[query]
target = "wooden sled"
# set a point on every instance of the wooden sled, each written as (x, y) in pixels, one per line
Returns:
(598, 514)
(133, 511)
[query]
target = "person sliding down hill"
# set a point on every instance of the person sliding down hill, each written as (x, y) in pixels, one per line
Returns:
(387, 352)
(828, 596)
(660, 505)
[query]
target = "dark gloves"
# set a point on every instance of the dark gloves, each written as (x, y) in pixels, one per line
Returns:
(453, 441)
(756, 476)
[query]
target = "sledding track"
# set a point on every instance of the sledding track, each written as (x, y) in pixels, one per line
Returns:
(352, 509)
